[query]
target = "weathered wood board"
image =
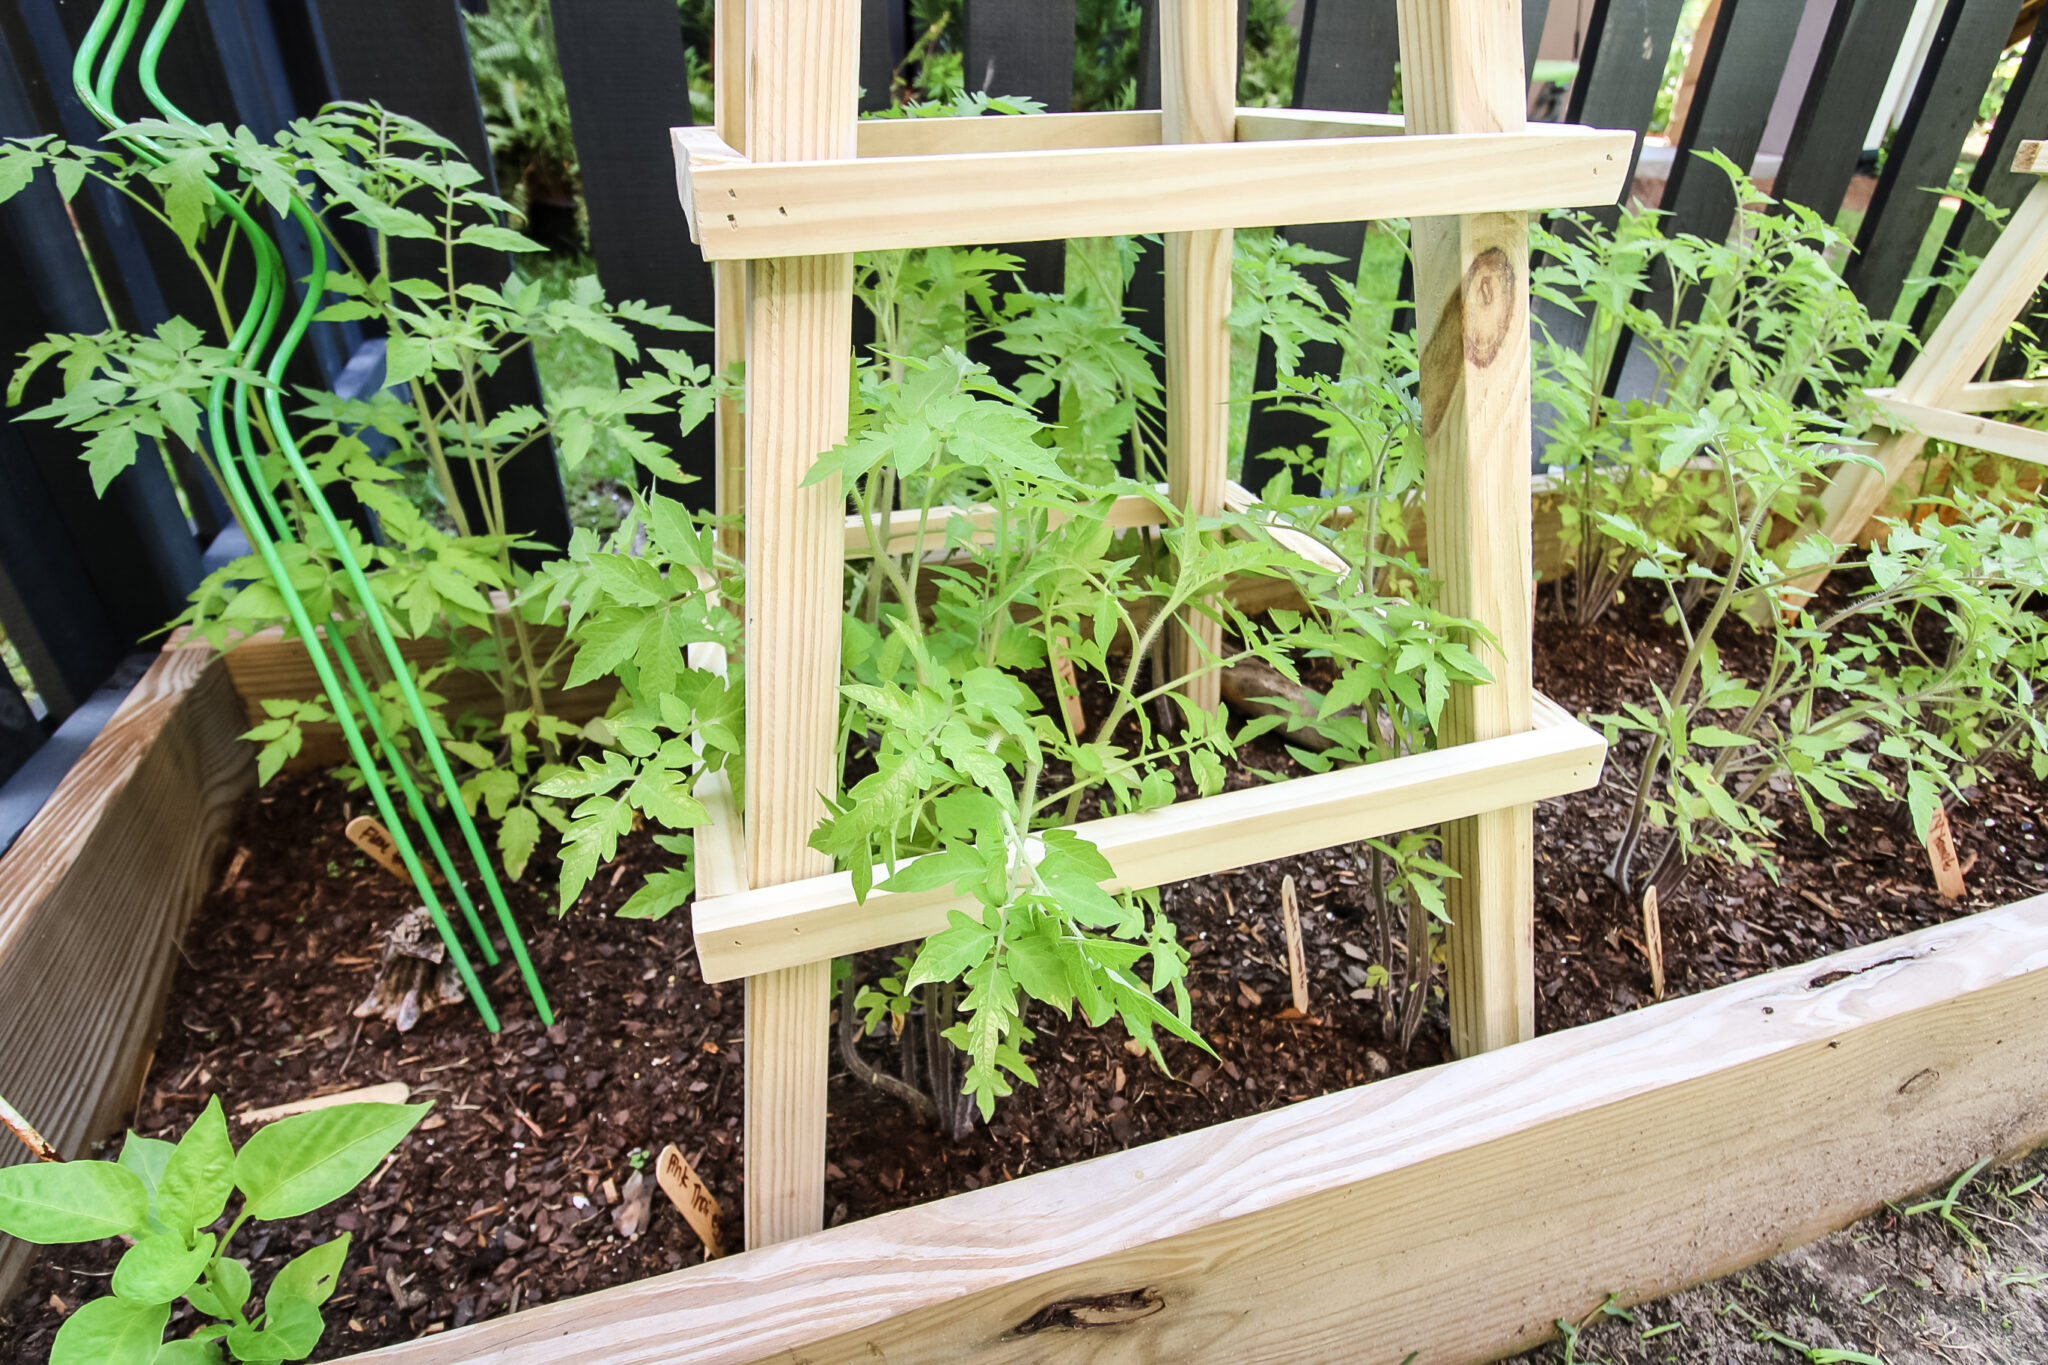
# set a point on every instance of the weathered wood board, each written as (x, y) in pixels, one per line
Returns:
(94, 896)
(1631, 1156)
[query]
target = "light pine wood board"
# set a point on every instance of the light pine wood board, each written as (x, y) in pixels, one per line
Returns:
(1198, 84)
(1462, 66)
(1113, 128)
(1966, 429)
(819, 918)
(800, 107)
(1940, 375)
(267, 665)
(763, 206)
(729, 282)
(95, 894)
(1633, 1156)
(1991, 395)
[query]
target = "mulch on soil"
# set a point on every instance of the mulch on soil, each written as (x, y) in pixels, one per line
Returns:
(503, 1197)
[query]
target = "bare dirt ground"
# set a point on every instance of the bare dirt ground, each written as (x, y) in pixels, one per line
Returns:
(1905, 1286)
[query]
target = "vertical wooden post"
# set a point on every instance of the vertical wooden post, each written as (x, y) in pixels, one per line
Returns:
(801, 57)
(1198, 91)
(1461, 66)
(729, 279)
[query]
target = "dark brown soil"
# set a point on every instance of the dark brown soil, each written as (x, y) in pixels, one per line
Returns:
(502, 1198)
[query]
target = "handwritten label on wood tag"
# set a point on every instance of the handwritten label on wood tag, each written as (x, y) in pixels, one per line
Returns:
(692, 1198)
(1297, 968)
(367, 833)
(1941, 856)
(1064, 684)
(1653, 941)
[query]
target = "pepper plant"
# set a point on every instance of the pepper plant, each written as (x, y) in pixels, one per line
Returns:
(167, 1200)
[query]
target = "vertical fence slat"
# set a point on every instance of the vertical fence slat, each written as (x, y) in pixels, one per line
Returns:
(21, 734)
(411, 57)
(881, 48)
(1744, 62)
(253, 64)
(1840, 101)
(1622, 65)
(1926, 146)
(1348, 51)
(2024, 114)
(1023, 49)
(93, 575)
(622, 62)
(1621, 68)
(1738, 75)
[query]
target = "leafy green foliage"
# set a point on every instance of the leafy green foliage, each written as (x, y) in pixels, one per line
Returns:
(969, 768)
(443, 567)
(167, 1198)
(1762, 312)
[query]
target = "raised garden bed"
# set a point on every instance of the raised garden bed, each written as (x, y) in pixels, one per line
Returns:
(647, 1053)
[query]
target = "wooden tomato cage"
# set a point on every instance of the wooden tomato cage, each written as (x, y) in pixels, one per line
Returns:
(784, 189)
(1626, 1157)
(1454, 1212)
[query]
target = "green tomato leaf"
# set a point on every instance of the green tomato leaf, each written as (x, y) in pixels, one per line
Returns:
(498, 239)
(71, 1201)
(160, 1268)
(661, 893)
(111, 1331)
(200, 1174)
(297, 1164)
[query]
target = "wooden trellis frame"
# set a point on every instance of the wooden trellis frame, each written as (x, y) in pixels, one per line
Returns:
(1937, 396)
(789, 184)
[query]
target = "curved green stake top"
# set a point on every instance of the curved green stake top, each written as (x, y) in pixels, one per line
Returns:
(251, 338)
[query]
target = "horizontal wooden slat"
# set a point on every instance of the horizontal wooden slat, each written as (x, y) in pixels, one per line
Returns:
(1958, 428)
(744, 210)
(266, 664)
(1990, 395)
(1114, 128)
(1633, 1156)
(1006, 133)
(1290, 125)
(2030, 158)
(773, 927)
(94, 896)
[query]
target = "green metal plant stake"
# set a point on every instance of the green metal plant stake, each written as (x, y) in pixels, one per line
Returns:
(240, 467)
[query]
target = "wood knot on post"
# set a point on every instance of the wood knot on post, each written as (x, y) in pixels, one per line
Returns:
(1490, 295)
(1093, 1310)
(1469, 332)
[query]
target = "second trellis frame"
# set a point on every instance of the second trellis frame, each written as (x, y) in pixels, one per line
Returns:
(788, 185)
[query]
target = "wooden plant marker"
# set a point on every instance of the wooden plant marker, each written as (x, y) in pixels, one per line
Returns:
(1064, 684)
(367, 833)
(1653, 942)
(1941, 856)
(691, 1196)
(389, 1092)
(1297, 969)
